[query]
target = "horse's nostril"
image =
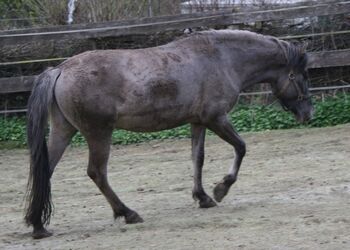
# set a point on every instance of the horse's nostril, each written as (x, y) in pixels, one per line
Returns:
(308, 116)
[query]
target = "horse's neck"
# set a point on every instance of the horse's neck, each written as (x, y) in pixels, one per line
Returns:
(259, 64)
(268, 72)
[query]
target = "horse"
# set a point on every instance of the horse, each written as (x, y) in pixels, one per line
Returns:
(193, 80)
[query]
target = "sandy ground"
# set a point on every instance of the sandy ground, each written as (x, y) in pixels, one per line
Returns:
(293, 192)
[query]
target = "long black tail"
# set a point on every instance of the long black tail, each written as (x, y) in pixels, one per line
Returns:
(39, 206)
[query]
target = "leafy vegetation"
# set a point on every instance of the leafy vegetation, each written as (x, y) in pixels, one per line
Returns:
(332, 111)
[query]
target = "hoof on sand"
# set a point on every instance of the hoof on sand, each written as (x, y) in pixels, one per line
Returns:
(207, 203)
(133, 218)
(220, 191)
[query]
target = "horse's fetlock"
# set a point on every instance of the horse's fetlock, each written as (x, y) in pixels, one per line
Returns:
(117, 214)
(195, 195)
(198, 194)
(229, 180)
(241, 149)
(92, 174)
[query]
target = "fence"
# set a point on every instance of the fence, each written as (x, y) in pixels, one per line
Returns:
(151, 26)
(148, 26)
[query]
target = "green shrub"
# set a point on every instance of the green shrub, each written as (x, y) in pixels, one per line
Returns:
(12, 129)
(331, 112)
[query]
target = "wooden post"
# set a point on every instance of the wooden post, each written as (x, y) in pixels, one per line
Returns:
(159, 8)
(150, 10)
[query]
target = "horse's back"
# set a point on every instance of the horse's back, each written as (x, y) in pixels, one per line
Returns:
(125, 88)
(140, 90)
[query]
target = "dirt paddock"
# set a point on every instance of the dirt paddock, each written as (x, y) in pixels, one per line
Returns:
(293, 192)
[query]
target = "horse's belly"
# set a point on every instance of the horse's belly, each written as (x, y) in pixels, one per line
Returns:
(153, 120)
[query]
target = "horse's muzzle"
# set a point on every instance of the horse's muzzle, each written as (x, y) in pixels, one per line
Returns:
(304, 116)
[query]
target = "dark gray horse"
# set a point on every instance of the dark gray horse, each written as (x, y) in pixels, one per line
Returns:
(196, 80)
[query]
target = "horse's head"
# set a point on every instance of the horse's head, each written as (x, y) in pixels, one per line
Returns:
(292, 84)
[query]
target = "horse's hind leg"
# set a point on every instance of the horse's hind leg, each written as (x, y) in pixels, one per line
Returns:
(198, 193)
(223, 128)
(61, 133)
(99, 148)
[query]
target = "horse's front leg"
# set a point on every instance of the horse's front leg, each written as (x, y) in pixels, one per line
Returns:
(223, 128)
(198, 193)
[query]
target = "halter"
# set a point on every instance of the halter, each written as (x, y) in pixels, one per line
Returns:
(291, 79)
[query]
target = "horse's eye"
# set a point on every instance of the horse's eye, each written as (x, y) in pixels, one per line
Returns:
(291, 76)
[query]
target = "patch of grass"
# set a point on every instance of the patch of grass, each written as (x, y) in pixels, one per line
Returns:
(13, 131)
(333, 111)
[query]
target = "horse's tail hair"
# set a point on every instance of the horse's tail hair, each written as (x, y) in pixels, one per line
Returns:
(38, 197)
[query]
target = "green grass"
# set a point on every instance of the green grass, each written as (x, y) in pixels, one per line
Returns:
(332, 111)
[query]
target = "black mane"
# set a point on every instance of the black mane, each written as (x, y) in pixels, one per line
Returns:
(296, 57)
(294, 54)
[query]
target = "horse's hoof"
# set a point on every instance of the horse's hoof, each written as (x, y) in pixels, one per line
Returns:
(220, 191)
(41, 233)
(207, 203)
(133, 218)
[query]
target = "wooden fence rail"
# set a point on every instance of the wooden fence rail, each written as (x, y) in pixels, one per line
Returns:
(164, 24)
(317, 60)
(332, 33)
